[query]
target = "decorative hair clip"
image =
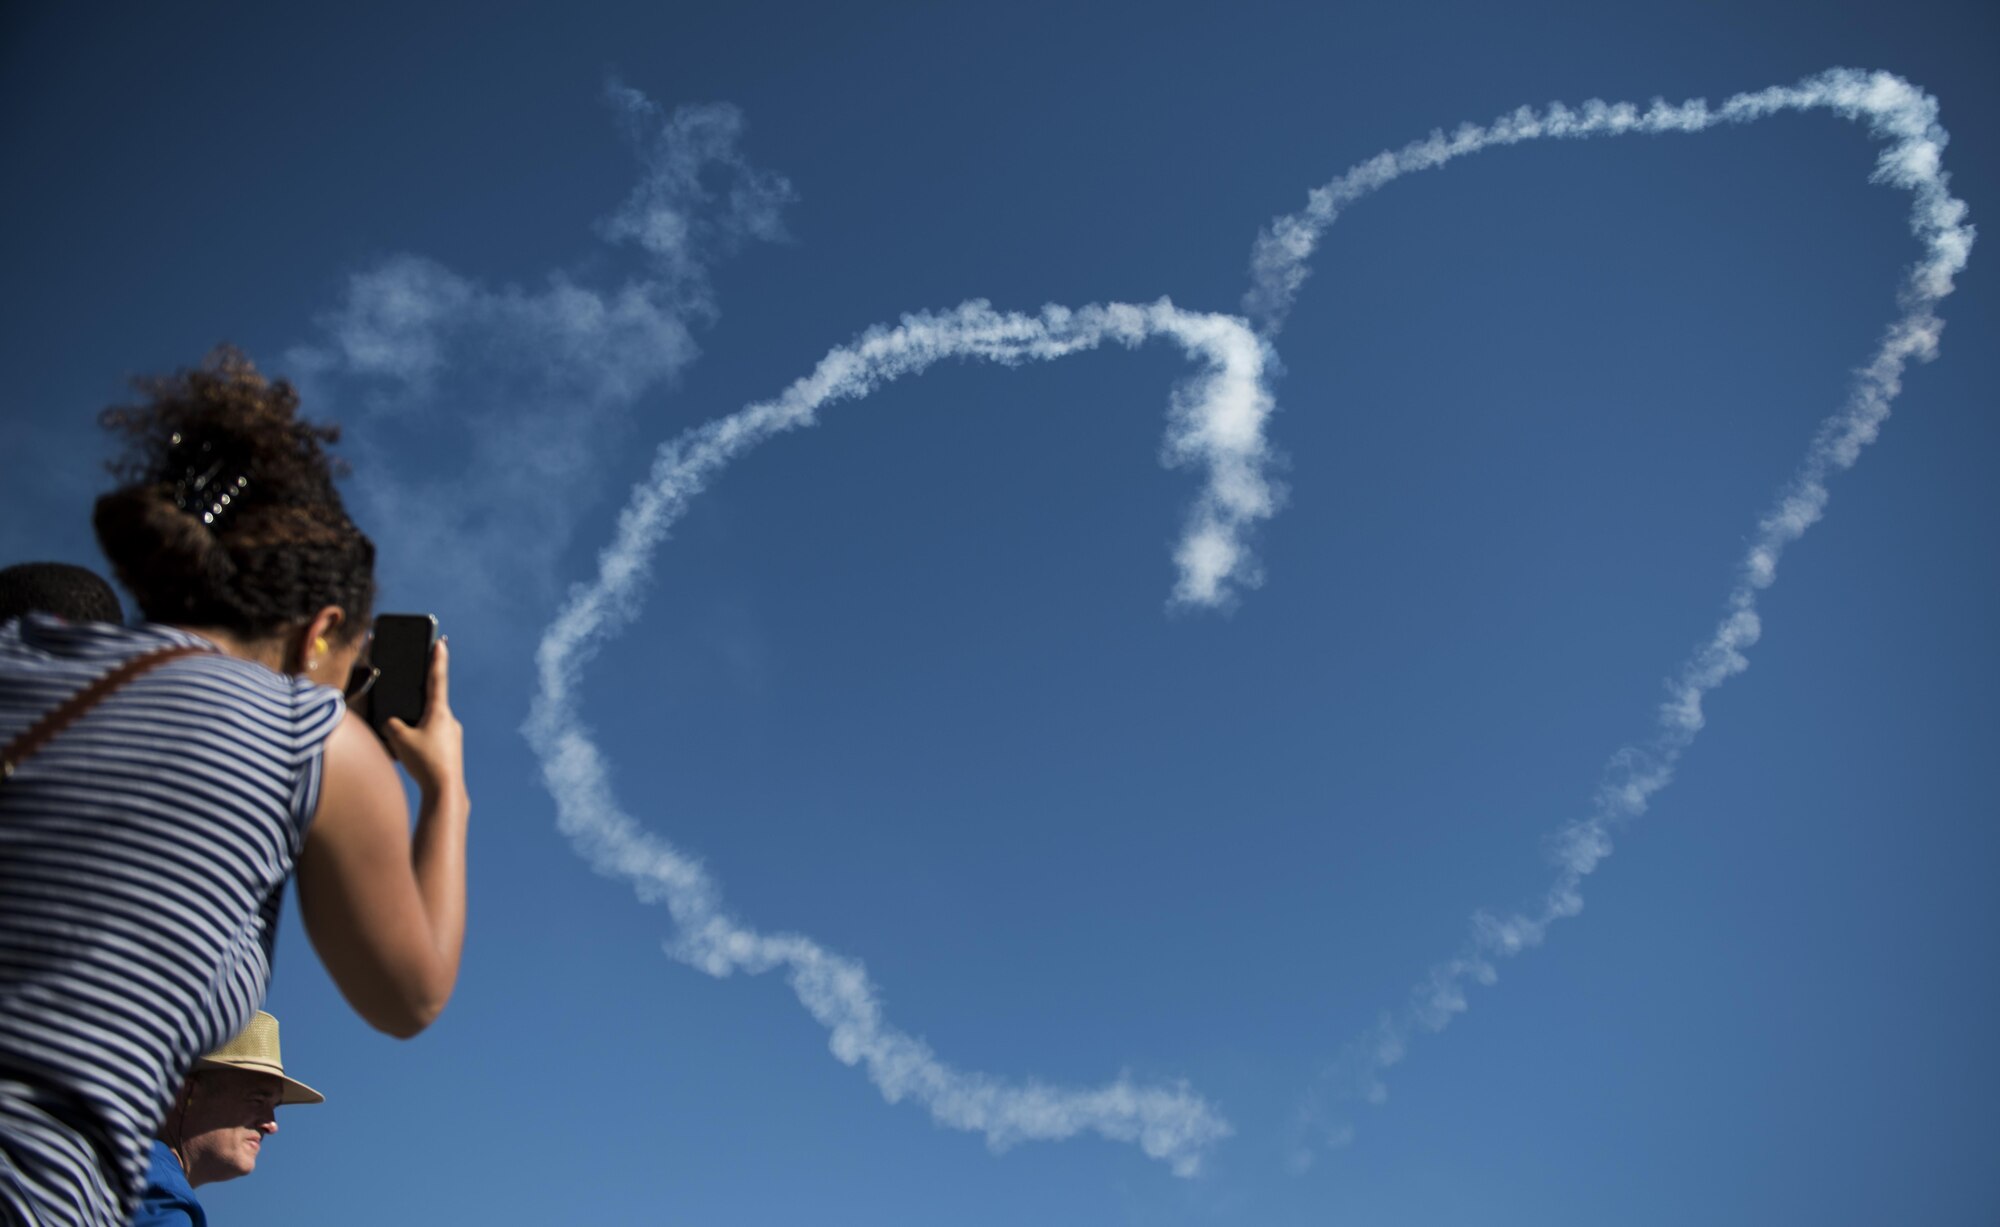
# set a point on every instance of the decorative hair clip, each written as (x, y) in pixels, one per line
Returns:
(203, 490)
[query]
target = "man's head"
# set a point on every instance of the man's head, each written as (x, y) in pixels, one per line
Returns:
(73, 593)
(229, 1103)
(222, 1120)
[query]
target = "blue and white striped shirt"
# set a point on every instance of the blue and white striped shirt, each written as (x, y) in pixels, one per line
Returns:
(143, 855)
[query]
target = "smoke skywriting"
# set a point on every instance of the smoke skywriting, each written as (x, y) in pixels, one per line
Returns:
(408, 327)
(1895, 111)
(1216, 421)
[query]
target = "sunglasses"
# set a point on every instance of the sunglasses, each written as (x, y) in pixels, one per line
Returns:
(361, 678)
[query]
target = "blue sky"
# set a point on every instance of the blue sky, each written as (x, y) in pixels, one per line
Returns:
(910, 689)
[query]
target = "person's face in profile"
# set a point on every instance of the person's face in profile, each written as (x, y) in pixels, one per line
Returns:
(229, 1114)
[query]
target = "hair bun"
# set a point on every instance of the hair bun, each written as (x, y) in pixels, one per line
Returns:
(164, 553)
(229, 516)
(214, 475)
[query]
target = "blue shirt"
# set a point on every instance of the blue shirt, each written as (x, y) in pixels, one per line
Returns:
(168, 1200)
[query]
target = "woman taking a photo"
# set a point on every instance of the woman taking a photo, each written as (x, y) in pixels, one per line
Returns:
(145, 843)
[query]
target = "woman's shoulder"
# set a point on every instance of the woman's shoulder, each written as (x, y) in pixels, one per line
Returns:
(297, 710)
(43, 652)
(47, 639)
(45, 635)
(39, 651)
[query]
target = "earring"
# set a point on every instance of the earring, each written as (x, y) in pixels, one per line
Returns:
(321, 646)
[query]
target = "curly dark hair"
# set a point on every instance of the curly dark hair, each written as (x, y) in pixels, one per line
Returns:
(228, 516)
(74, 593)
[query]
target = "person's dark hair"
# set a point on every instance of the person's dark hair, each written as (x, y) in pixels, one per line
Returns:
(228, 516)
(75, 593)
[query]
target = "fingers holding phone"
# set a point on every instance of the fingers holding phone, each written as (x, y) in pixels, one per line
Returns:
(410, 703)
(433, 749)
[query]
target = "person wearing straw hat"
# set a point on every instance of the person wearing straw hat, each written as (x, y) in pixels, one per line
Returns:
(226, 1108)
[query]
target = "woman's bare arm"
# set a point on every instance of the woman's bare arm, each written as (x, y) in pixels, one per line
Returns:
(385, 908)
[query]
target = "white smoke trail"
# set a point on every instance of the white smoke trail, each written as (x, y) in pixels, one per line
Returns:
(1216, 421)
(1895, 111)
(538, 376)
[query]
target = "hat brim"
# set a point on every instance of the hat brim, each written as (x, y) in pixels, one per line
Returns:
(294, 1090)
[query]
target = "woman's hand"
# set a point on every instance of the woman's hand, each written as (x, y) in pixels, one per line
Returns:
(433, 751)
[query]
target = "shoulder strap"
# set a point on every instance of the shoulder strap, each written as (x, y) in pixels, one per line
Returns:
(66, 712)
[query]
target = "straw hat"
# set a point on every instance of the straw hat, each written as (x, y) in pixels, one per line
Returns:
(255, 1048)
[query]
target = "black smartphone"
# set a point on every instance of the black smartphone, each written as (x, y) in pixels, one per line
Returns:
(401, 649)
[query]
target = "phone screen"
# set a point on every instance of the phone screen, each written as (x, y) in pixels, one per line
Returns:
(401, 649)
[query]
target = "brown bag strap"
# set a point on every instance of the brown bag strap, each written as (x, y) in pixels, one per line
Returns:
(66, 712)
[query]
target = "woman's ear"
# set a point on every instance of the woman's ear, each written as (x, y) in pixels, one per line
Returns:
(316, 639)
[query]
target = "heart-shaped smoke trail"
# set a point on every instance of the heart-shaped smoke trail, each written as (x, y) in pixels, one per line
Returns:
(1895, 111)
(1216, 421)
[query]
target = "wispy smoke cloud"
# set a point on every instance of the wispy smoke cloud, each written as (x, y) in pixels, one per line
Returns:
(669, 213)
(1216, 423)
(1906, 119)
(538, 375)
